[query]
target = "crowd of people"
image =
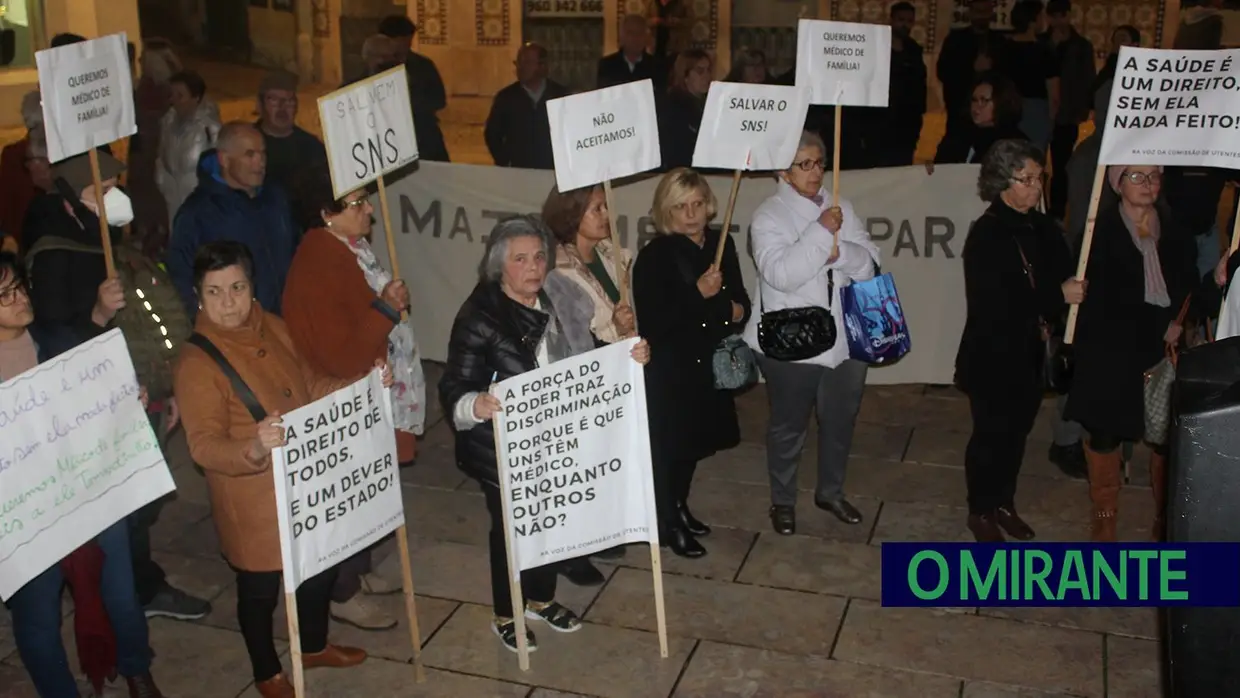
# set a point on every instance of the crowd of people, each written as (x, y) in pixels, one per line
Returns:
(288, 302)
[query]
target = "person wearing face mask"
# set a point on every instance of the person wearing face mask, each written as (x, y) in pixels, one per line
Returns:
(680, 108)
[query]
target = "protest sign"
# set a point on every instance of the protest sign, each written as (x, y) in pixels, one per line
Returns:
(79, 455)
(574, 457)
(750, 127)
(844, 63)
(368, 129)
(337, 480)
(87, 91)
(1174, 108)
(603, 135)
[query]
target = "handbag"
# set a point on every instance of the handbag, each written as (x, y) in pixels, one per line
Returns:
(874, 320)
(239, 387)
(733, 362)
(1158, 382)
(1057, 363)
(796, 334)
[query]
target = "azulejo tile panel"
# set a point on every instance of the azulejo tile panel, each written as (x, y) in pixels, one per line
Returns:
(703, 16)
(492, 23)
(433, 22)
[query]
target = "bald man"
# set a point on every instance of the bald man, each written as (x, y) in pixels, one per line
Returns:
(517, 132)
(232, 203)
(632, 63)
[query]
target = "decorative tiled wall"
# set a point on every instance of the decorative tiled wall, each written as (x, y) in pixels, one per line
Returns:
(703, 14)
(320, 13)
(879, 12)
(1097, 19)
(433, 22)
(492, 22)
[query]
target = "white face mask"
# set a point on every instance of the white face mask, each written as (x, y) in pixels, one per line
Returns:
(118, 205)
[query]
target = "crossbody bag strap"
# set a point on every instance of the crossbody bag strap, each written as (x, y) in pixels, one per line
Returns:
(243, 391)
(1024, 261)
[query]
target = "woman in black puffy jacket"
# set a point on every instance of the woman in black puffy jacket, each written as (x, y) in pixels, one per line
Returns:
(516, 320)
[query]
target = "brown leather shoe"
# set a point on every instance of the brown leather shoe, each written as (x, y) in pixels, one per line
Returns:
(276, 687)
(143, 687)
(1104, 482)
(985, 529)
(334, 656)
(1011, 522)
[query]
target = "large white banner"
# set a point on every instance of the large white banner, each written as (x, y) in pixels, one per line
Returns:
(368, 129)
(1174, 108)
(444, 211)
(87, 93)
(78, 455)
(574, 457)
(337, 481)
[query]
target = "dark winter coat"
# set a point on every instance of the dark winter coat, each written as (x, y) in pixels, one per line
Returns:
(216, 211)
(680, 117)
(517, 131)
(1118, 335)
(1001, 350)
(968, 143)
(689, 418)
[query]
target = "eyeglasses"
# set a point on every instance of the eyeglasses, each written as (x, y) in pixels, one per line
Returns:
(356, 203)
(9, 295)
(1029, 180)
(1143, 178)
(809, 165)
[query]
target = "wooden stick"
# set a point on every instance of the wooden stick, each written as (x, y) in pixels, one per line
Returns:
(835, 170)
(617, 250)
(388, 233)
(727, 219)
(1087, 241)
(1235, 239)
(105, 235)
(411, 604)
(514, 572)
(656, 568)
(294, 643)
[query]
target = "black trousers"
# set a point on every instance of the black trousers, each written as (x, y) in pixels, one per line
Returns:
(537, 584)
(673, 478)
(1002, 421)
(257, 596)
(1063, 142)
(148, 576)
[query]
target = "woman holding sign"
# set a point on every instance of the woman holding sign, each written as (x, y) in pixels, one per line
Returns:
(232, 388)
(1142, 269)
(516, 319)
(687, 307)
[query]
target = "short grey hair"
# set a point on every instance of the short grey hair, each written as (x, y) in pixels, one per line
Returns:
(999, 166)
(32, 110)
(37, 146)
(810, 139)
(492, 267)
(231, 132)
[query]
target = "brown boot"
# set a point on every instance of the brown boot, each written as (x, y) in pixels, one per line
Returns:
(1104, 484)
(276, 687)
(1158, 483)
(143, 687)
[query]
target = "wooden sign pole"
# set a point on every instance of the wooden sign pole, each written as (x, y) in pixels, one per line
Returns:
(835, 170)
(514, 573)
(617, 249)
(1087, 242)
(388, 233)
(294, 643)
(727, 220)
(105, 235)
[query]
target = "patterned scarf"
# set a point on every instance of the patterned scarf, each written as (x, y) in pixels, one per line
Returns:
(1145, 234)
(409, 388)
(558, 347)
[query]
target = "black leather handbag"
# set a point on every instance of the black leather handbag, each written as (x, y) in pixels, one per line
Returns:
(796, 334)
(1058, 362)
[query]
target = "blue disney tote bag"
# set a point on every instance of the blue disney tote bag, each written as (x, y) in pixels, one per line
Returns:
(874, 321)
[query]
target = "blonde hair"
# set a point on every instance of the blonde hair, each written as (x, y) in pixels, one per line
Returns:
(675, 187)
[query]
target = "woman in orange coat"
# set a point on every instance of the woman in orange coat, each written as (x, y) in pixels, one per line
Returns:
(343, 310)
(235, 452)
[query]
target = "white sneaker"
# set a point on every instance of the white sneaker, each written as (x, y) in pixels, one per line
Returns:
(362, 614)
(377, 585)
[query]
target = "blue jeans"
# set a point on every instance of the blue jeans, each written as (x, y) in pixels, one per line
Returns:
(36, 615)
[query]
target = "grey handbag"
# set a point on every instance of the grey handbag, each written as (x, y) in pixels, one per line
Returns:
(1158, 382)
(734, 363)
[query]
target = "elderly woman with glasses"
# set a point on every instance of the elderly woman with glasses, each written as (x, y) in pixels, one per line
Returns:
(516, 320)
(795, 234)
(1017, 278)
(1142, 268)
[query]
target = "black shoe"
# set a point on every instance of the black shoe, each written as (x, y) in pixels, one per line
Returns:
(170, 602)
(408, 463)
(616, 553)
(784, 519)
(1069, 459)
(581, 572)
(841, 509)
(682, 542)
(686, 517)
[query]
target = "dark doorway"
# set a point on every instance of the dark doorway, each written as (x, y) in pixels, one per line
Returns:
(228, 28)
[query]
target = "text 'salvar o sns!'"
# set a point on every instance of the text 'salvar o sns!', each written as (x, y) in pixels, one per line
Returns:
(746, 105)
(1164, 109)
(841, 57)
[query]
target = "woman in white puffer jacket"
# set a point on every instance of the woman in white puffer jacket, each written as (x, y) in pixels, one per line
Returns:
(793, 237)
(189, 129)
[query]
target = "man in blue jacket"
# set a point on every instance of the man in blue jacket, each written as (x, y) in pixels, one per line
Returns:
(233, 202)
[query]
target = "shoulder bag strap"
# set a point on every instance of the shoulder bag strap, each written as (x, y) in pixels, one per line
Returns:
(243, 391)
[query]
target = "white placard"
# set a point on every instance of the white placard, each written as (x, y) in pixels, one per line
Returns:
(1174, 108)
(337, 479)
(368, 129)
(574, 457)
(750, 127)
(604, 134)
(844, 63)
(78, 455)
(87, 93)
